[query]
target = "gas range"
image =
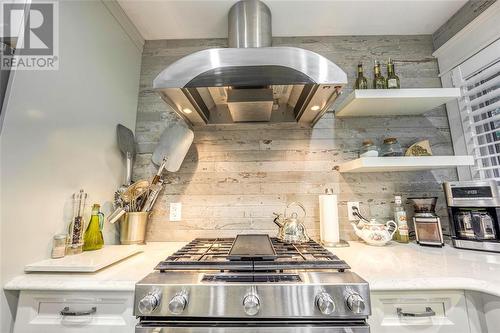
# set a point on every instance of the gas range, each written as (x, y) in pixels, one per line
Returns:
(252, 283)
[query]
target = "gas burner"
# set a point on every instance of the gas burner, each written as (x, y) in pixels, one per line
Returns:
(214, 254)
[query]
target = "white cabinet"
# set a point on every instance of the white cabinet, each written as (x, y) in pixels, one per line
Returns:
(100, 311)
(419, 311)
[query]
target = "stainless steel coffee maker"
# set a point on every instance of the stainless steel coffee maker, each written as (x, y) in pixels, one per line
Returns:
(474, 211)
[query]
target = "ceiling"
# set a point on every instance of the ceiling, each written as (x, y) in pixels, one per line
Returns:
(186, 19)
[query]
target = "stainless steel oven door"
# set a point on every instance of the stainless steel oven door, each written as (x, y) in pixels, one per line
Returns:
(253, 327)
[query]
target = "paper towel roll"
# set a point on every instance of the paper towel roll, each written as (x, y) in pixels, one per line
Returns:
(329, 219)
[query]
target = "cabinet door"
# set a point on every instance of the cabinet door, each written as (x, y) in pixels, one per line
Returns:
(75, 312)
(422, 311)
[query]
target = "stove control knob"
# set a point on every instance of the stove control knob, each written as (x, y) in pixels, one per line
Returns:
(178, 303)
(325, 303)
(149, 303)
(251, 304)
(355, 303)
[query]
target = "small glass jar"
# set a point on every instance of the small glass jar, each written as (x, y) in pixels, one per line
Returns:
(368, 149)
(59, 246)
(391, 147)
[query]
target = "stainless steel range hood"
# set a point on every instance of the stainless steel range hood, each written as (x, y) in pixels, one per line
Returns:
(250, 81)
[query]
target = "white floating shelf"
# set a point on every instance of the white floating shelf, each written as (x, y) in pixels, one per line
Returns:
(404, 163)
(392, 102)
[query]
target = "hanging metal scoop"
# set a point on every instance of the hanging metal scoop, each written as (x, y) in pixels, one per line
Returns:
(174, 145)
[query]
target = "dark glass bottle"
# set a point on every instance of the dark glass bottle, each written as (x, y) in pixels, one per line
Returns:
(378, 79)
(392, 78)
(361, 81)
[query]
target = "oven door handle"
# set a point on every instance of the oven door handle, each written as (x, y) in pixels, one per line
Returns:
(243, 326)
(428, 313)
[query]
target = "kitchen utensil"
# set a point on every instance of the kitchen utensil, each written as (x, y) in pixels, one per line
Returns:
(174, 144)
(162, 166)
(252, 247)
(133, 227)
(134, 192)
(391, 147)
(374, 233)
(291, 229)
(116, 214)
(154, 191)
(126, 143)
(424, 206)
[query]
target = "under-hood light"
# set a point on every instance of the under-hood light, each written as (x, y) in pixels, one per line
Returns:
(187, 111)
(315, 108)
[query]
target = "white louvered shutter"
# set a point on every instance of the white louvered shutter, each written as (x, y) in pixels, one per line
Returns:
(479, 109)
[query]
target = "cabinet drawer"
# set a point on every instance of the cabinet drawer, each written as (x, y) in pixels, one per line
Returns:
(423, 311)
(81, 312)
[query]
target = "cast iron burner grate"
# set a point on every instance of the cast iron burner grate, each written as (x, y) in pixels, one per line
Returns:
(212, 254)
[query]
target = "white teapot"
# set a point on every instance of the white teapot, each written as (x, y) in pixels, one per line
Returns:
(374, 233)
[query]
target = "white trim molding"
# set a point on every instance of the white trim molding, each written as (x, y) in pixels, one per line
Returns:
(121, 17)
(481, 32)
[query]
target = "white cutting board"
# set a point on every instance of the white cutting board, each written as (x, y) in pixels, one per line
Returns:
(87, 261)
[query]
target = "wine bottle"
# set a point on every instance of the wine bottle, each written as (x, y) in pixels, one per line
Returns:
(361, 81)
(392, 78)
(378, 79)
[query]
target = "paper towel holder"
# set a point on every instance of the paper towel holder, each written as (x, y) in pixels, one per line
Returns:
(341, 242)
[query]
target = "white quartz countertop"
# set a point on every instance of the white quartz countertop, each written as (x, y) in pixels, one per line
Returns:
(414, 267)
(392, 267)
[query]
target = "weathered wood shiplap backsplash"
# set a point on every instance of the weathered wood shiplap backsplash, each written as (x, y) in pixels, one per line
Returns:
(236, 176)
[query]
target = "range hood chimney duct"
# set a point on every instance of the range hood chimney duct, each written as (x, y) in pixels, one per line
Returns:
(249, 24)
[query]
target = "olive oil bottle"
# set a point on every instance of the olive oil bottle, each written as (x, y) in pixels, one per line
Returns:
(392, 78)
(361, 81)
(401, 234)
(378, 79)
(92, 239)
